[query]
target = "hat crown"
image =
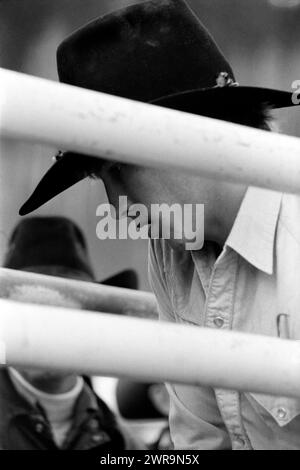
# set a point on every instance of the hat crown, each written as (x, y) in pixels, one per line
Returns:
(143, 52)
(44, 242)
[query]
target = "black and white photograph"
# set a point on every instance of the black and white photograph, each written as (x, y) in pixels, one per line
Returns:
(149, 230)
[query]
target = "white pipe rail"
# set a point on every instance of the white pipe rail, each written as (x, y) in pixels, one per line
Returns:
(91, 296)
(70, 118)
(110, 345)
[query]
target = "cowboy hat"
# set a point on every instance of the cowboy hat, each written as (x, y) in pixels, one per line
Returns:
(157, 52)
(56, 246)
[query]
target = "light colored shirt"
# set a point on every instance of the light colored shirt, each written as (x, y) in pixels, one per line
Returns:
(245, 288)
(58, 407)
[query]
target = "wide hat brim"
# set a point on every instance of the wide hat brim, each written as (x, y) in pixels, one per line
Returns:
(218, 98)
(74, 167)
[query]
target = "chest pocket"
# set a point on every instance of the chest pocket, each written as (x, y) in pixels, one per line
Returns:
(277, 410)
(282, 410)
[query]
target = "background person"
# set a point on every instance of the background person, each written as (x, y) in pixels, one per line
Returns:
(40, 409)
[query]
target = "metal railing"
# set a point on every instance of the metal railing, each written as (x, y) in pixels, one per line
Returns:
(70, 118)
(104, 344)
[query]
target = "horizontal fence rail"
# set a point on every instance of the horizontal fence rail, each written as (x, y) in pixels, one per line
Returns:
(110, 345)
(91, 296)
(71, 118)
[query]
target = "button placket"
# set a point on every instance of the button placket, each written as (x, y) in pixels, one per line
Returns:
(229, 405)
(221, 286)
(219, 314)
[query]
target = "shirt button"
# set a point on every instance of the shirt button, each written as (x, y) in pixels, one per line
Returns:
(98, 438)
(281, 413)
(219, 322)
(39, 427)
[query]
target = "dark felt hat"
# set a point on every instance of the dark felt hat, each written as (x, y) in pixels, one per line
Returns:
(56, 245)
(156, 52)
(39, 244)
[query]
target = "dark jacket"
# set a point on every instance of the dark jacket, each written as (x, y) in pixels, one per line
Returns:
(24, 427)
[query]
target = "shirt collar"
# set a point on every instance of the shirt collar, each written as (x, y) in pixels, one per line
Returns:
(58, 407)
(18, 405)
(253, 232)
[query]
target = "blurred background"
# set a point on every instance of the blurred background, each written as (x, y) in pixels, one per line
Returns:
(261, 39)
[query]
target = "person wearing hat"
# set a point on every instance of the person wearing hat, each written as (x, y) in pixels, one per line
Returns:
(48, 410)
(247, 273)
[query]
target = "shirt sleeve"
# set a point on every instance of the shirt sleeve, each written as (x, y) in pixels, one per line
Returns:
(194, 418)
